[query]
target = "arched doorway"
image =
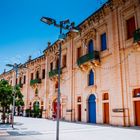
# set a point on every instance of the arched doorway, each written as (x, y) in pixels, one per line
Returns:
(36, 110)
(136, 97)
(105, 108)
(92, 109)
(36, 105)
(55, 109)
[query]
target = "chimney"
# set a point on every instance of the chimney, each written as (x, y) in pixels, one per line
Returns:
(4, 71)
(49, 44)
(30, 58)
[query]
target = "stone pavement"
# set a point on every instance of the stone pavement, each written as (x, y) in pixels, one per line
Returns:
(42, 129)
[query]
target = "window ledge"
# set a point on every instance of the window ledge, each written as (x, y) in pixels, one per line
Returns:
(92, 88)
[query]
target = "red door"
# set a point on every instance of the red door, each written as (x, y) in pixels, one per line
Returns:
(79, 112)
(55, 109)
(106, 113)
(137, 113)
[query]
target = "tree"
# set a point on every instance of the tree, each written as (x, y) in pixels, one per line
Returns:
(6, 97)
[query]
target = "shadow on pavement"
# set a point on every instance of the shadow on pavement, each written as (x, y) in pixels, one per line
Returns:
(23, 133)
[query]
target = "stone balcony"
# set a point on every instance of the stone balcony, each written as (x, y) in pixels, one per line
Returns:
(35, 81)
(89, 59)
(54, 73)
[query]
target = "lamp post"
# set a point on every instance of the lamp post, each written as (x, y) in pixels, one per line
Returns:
(66, 25)
(15, 68)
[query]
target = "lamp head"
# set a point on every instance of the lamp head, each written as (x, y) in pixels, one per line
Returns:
(48, 20)
(9, 65)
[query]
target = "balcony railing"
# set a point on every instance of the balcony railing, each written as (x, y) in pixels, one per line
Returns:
(88, 57)
(35, 81)
(137, 35)
(54, 72)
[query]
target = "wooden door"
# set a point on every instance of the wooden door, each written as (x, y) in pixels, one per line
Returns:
(137, 113)
(79, 112)
(106, 113)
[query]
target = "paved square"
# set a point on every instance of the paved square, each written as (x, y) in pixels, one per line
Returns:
(42, 129)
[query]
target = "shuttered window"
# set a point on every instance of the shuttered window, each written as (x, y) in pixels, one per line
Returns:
(131, 27)
(91, 78)
(103, 42)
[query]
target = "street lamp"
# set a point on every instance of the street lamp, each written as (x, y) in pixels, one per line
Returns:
(66, 25)
(15, 68)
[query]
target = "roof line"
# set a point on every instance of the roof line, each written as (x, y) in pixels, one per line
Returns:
(81, 23)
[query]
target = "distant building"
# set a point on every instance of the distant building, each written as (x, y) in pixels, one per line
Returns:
(100, 75)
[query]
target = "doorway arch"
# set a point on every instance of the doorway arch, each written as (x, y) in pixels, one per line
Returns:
(92, 108)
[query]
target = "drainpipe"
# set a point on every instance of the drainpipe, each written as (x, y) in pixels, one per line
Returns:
(120, 57)
(72, 86)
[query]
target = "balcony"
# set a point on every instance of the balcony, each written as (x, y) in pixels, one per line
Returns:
(137, 36)
(54, 72)
(94, 56)
(35, 81)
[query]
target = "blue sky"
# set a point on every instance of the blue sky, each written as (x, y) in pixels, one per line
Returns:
(21, 32)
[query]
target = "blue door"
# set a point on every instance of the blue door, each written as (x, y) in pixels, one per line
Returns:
(92, 109)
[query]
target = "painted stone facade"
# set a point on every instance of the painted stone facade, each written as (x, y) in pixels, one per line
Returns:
(100, 69)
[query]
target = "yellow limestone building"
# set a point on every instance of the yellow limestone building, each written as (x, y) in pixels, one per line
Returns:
(100, 73)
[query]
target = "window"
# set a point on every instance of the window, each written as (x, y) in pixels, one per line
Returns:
(36, 92)
(20, 80)
(37, 75)
(24, 80)
(79, 99)
(136, 93)
(91, 78)
(90, 46)
(105, 96)
(79, 52)
(43, 74)
(64, 60)
(103, 42)
(51, 66)
(131, 27)
(32, 76)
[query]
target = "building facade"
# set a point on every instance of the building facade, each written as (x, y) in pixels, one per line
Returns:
(100, 70)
